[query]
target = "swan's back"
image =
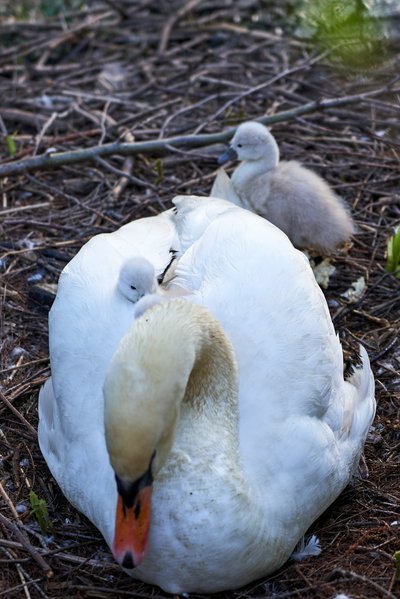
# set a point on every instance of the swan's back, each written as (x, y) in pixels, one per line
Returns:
(247, 273)
(263, 291)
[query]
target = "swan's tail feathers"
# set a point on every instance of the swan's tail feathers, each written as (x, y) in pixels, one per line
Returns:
(359, 410)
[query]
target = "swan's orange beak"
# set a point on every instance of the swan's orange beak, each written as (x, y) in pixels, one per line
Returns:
(132, 524)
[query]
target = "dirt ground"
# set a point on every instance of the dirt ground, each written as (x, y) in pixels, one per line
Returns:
(121, 71)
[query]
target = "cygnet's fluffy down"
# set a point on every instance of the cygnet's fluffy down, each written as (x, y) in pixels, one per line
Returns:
(137, 282)
(287, 194)
(137, 279)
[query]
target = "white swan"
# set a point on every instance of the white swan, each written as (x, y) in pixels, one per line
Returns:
(243, 460)
(290, 196)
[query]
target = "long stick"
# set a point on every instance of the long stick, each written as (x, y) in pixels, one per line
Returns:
(56, 159)
(27, 545)
(14, 410)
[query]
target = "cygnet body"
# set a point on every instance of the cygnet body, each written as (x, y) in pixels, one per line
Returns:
(287, 194)
(137, 282)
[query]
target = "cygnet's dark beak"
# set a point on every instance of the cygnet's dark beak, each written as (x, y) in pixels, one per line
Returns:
(230, 154)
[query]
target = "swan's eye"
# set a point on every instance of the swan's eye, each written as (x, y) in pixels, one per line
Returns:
(240, 145)
(133, 288)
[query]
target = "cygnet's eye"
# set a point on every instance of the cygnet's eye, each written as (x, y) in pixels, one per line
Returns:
(240, 145)
(133, 288)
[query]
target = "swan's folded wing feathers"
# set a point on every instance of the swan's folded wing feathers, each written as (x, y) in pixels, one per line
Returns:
(299, 344)
(221, 269)
(359, 407)
(153, 241)
(88, 286)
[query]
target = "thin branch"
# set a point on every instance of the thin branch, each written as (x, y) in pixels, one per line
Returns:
(125, 173)
(350, 575)
(259, 87)
(23, 208)
(55, 159)
(118, 8)
(27, 545)
(21, 575)
(18, 414)
(74, 559)
(172, 21)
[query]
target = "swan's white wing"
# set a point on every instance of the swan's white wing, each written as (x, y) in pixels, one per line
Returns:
(223, 188)
(88, 302)
(293, 398)
(87, 320)
(247, 273)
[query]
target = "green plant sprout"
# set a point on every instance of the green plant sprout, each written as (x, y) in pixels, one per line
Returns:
(41, 513)
(393, 254)
(11, 147)
(397, 561)
(160, 171)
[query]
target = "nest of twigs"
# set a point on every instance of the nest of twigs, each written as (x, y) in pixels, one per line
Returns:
(137, 71)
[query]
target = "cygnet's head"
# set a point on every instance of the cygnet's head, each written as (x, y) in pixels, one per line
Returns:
(252, 141)
(137, 279)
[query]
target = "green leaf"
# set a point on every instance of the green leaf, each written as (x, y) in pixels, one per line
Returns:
(397, 560)
(39, 509)
(234, 116)
(350, 30)
(160, 171)
(11, 147)
(393, 254)
(52, 8)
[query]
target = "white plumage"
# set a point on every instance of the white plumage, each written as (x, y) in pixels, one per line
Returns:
(246, 474)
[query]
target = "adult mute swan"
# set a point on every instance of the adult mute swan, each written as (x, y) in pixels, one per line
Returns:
(226, 427)
(290, 196)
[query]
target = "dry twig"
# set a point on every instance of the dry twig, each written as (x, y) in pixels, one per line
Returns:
(18, 414)
(56, 159)
(23, 539)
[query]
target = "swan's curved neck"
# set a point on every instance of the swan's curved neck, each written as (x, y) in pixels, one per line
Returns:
(190, 351)
(174, 358)
(178, 404)
(212, 382)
